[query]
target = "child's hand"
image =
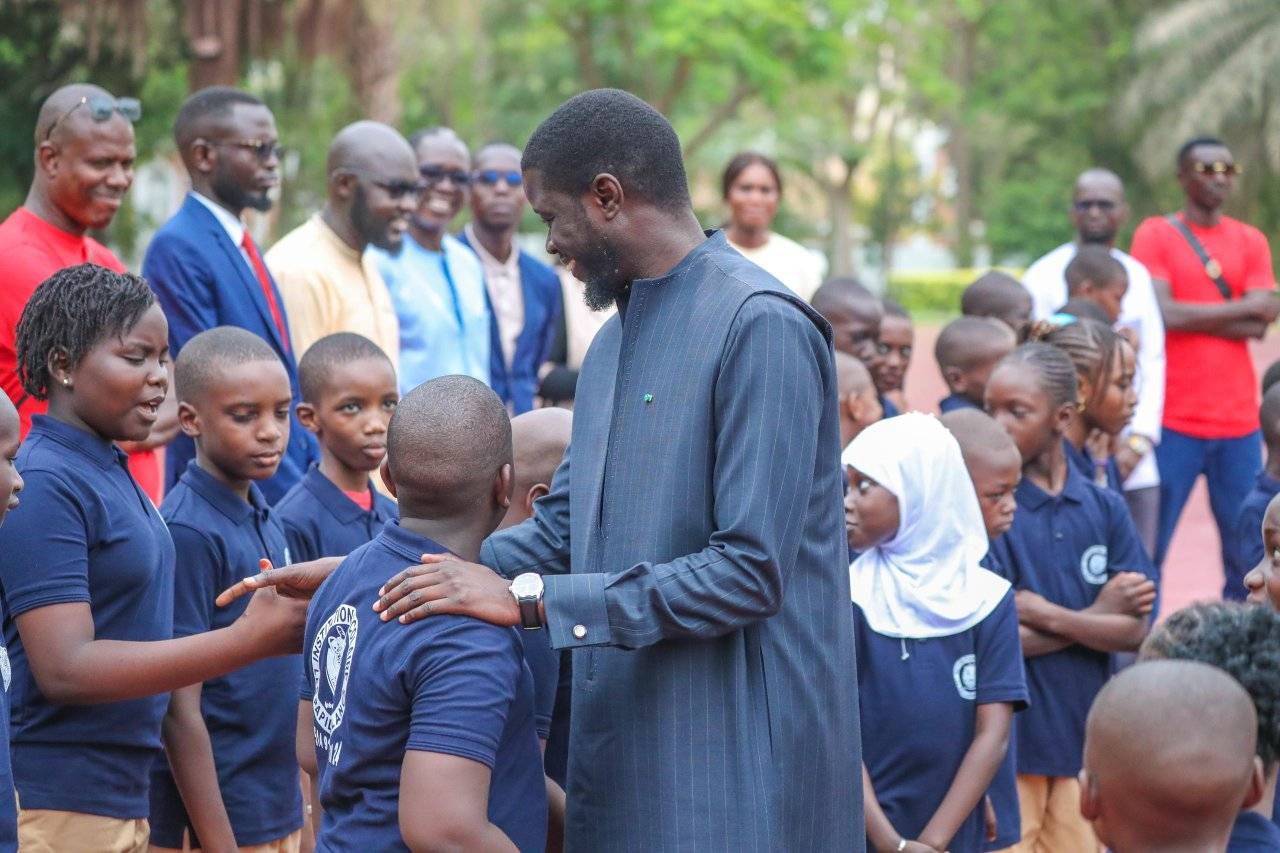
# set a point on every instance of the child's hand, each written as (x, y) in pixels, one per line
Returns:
(299, 580)
(1130, 593)
(273, 624)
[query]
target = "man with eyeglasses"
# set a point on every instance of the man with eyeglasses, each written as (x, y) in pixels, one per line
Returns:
(84, 154)
(524, 293)
(1213, 278)
(205, 266)
(328, 281)
(436, 284)
(1098, 210)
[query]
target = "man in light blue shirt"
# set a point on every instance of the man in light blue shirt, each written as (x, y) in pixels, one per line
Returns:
(436, 283)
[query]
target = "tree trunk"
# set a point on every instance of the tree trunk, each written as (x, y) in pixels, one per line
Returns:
(214, 35)
(960, 145)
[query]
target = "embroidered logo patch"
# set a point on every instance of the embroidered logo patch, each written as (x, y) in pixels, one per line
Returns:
(331, 656)
(965, 675)
(1093, 564)
(5, 672)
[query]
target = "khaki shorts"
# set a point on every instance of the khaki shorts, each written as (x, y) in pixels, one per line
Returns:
(289, 844)
(1051, 819)
(50, 831)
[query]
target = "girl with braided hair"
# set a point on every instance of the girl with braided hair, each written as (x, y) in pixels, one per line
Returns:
(1083, 586)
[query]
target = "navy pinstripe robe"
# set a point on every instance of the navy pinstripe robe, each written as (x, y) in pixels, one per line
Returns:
(695, 560)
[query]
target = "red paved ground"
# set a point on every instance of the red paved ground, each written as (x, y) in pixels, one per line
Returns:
(1193, 570)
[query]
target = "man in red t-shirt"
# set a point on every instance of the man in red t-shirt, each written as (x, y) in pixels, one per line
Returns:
(84, 166)
(1211, 391)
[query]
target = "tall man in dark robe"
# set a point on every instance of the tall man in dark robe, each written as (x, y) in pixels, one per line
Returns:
(692, 548)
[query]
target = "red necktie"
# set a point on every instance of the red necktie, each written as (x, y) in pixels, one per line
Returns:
(255, 260)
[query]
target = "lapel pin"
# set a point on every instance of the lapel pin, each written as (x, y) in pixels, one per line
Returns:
(648, 398)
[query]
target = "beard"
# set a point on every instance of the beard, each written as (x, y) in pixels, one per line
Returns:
(370, 229)
(236, 197)
(1097, 237)
(603, 286)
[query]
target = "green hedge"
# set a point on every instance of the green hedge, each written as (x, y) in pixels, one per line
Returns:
(935, 291)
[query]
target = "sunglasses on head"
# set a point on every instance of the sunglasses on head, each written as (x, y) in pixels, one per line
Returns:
(1217, 167)
(436, 174)
(1106, 205)
(100, 109)
(490, 177)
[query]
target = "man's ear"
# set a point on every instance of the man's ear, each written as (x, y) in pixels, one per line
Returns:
(47, 155)
(1257, 785)
(607, 195)
(502, 486)
(343, 184)
(307, 417)
(387, 480)
(204, 155)
(1088, 796)
(535, 492)
(955, 379)
(188, 420)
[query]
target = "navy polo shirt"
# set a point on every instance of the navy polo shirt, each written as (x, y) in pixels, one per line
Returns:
(447, 684)
(1253, 833)
(84, 532)
(1065, 547)
(1004, 787)
(321, 521)
(251, 714)
(918, 703)
(889, 409)
(1245, 551)
(957, 401)
(8, 807)
(1084, 463)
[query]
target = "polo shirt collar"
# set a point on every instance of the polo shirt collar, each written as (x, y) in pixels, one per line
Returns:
(407, 543)
(1032, 497)
(221, 498)
(102, 452)
(331, 497)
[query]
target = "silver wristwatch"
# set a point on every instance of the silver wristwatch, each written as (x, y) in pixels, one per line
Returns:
(526, 589)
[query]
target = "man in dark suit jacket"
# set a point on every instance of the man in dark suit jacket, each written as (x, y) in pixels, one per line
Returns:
(524, 293)
(204, 266)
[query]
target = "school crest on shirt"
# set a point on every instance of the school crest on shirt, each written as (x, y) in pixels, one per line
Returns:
(1093, 564)
(331, 654)
(965, 675)
(5, 672)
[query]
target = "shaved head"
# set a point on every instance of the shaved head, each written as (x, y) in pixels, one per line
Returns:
(501, 152)
(539, 439)
(61, 102)
(205, 357)
(967, 342)
(852, 376)
(366, 146)
(447, 442)
(434, 139)
(1098, 208)
(998, 294)
(1169, 757)
(1099, 179)
(978, 433)
(854, 314)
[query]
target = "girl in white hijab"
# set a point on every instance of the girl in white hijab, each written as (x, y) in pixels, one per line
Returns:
(939, 660)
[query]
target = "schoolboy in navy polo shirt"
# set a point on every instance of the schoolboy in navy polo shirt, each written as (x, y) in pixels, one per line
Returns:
(423, 736)
(967, 350)
(1084, 590)
(10, 485)
(234, 780)
(1245, 550)
(348, 394)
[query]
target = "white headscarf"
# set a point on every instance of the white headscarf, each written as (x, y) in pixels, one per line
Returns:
(925, 581)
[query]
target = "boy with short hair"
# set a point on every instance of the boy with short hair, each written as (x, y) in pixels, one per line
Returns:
(893, 354)
(349, 392)
(1097, 276)
(967, 350)
(422, 736)
(1156, 777)
(998, 295)
(859, 404)
(231, 779)
(1244, 552)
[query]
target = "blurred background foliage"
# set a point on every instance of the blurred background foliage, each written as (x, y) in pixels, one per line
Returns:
(960, 122)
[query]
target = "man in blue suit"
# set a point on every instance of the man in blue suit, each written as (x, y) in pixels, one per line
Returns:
(524, 293)
(203, 264)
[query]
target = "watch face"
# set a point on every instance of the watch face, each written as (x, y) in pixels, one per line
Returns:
(528, 585)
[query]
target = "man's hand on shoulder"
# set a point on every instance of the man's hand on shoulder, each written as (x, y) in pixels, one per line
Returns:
(445, 584)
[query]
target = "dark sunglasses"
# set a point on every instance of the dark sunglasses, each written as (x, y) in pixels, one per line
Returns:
(100, 108)
(401, 189)
(1106, 205)
(436, 174)
(490, 177)
(262, 148)
(1217, 167)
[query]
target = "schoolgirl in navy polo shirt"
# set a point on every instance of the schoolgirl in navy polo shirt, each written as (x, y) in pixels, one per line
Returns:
(939, 664)
(423, 735)
(230, 741)
(10, 485)
(1084, 589)
(348, 394)
(1105, 364)
(87, 576)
